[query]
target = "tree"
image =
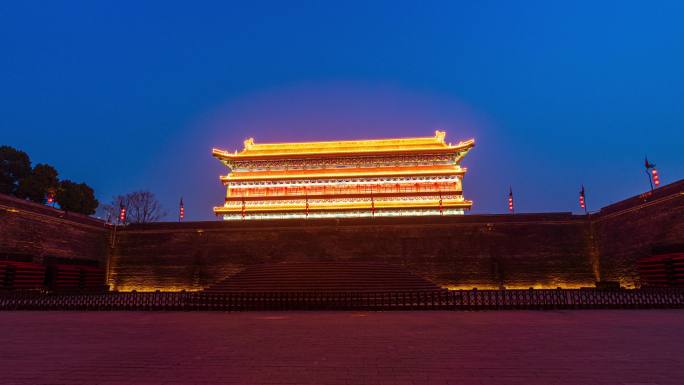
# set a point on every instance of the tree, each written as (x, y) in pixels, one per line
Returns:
(19, 179)
(15, 165)
(109, 212)
(141, 207)
(35, 186)
(76, 197)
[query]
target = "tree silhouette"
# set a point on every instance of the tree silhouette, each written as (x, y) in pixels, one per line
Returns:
(19, 179)
(76, 197)
(35, 186)
(141, 207)
(15, 165)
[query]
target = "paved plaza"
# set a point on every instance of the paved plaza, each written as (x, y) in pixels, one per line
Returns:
(506, 347)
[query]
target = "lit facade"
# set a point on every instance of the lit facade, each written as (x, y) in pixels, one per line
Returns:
(355, 178)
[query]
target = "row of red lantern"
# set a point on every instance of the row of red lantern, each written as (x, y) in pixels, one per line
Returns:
(280, 191)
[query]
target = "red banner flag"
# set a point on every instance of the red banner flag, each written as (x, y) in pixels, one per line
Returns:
(652, 173)
(582, 202)
(122, 214)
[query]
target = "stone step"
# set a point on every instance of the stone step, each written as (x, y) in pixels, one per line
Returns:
(323, 276)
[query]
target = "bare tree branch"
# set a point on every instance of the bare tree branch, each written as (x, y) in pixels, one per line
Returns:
(141, 206)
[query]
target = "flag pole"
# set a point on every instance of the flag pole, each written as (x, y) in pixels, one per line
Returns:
(649, 166)
(648, 174)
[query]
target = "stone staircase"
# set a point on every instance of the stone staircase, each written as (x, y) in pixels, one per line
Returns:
(323, 277)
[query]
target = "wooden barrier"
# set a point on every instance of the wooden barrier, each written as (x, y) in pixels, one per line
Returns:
(76, 277)
(663, 270)
(21, 275)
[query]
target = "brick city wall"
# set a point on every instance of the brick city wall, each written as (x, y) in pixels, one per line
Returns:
(639, 227)
(546, 250)
(30, 231)
(485, 251)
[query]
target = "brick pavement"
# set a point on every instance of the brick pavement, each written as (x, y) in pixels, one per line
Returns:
(508, 347)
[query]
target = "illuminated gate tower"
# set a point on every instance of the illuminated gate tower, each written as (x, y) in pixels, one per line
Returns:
(355, 178)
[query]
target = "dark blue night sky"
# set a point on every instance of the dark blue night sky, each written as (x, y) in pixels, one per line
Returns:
(133, 95)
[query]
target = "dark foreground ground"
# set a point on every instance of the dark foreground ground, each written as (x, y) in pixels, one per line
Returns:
(506, 347)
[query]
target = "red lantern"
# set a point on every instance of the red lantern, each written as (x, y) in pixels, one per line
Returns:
(656, 179)
(122, 214)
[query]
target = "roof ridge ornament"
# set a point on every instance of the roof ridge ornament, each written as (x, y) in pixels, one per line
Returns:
(376, 147)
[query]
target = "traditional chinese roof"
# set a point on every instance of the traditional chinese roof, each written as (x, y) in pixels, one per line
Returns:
(432, 144)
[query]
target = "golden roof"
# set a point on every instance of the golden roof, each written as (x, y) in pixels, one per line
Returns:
(434, 143)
